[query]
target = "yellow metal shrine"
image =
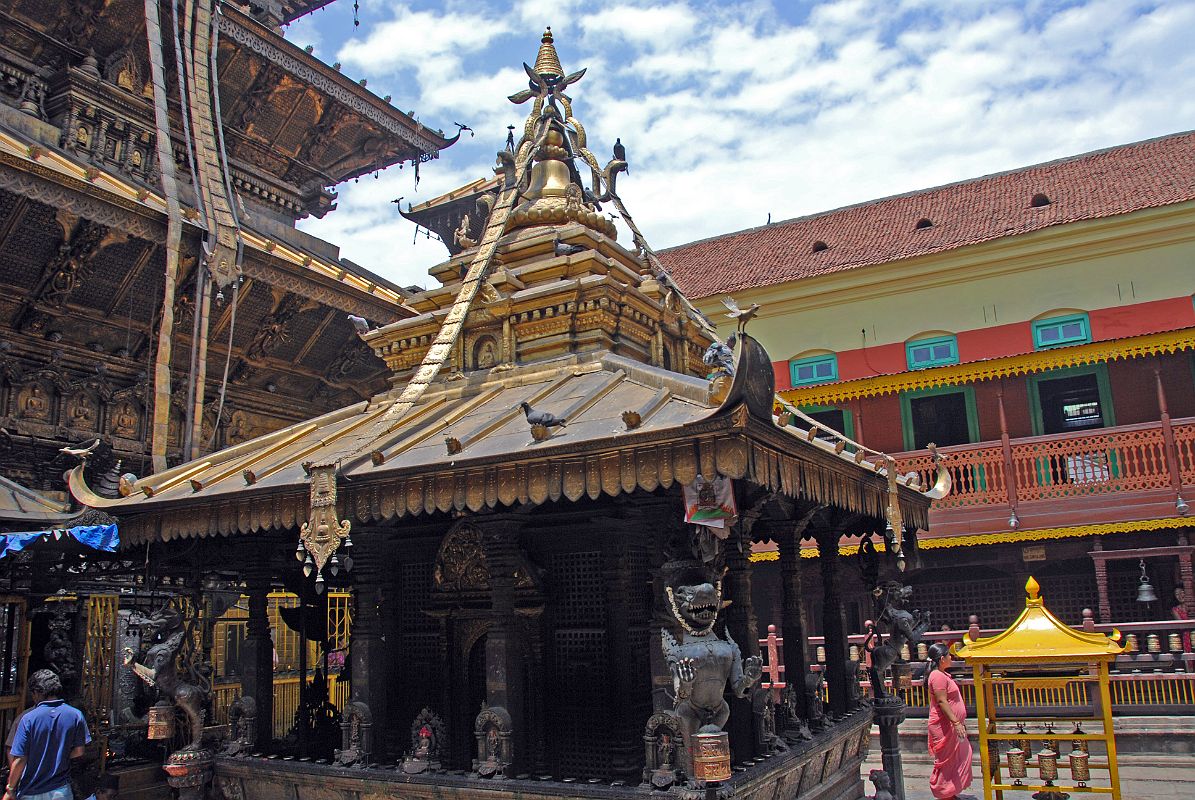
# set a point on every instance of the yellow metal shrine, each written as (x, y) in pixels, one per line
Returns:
(1039, 660)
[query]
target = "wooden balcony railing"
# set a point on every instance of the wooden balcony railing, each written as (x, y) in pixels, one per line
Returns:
(1126, 458)
(1157, 676)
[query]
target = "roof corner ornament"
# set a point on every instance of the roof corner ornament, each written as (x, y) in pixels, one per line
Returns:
(944, 483)
(322, 535)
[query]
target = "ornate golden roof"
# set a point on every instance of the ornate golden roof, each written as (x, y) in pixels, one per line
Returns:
(1039, 636)
(547, 63)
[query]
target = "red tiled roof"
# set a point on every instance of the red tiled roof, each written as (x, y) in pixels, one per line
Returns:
(1104, 183)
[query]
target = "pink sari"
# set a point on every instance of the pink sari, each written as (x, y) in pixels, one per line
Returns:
(952, 755)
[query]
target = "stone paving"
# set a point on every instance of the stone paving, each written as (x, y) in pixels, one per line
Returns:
(1141, 778)
(1162, 768)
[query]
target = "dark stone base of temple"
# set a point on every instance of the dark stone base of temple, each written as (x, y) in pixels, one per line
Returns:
(826, 768)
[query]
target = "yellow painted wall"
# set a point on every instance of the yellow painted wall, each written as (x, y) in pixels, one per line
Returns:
(1134, 258)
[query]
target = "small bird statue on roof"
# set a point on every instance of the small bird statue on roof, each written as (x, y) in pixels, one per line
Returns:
(80, 452)
(360, 324)
(545, 418)
(743, 315)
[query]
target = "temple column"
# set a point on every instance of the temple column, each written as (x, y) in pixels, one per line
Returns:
(367, 647)
(627, 689)
(792, 615)
(257, 674)
(741, 624)
(504, 677)
(1101, 582)
(833, 626)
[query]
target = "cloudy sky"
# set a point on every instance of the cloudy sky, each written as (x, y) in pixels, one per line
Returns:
(731, 111)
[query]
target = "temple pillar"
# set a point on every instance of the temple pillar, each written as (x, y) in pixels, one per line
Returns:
(1101, 582)
(792, 615)
(367, 645)
(743, 626)
(627, 687)
(504, 674)
(833, 625)
(257, 673)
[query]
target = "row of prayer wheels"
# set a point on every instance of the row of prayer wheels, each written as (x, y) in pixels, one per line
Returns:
(1047, 760)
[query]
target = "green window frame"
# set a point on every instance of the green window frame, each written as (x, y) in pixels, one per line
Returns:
(1061, 331)
(848, 419)
(1107, 413)
(812, 370)
(906, 411)
(938, 351)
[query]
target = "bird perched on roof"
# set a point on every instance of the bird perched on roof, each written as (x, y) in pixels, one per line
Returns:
(360, 324)
(565, 249)
(720, 356)
(545, 418)
(620, 152)
(80, 452)
(743, 315)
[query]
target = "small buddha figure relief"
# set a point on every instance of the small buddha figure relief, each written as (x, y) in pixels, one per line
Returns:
(664, 750)
(35, 405)
(491, 745)
(135, 159)
(485, 353)
(125, 420)
(83, 137)
(423, 750)
(82, 414)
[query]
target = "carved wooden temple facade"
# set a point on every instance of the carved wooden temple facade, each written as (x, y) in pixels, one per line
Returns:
(89, 234)
(534, 616)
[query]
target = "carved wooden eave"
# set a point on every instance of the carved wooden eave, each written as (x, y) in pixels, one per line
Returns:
(394, 135)
(681, 436)
(57, 179)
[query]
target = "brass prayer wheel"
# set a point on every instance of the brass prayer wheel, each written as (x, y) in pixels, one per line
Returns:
(710, 756)
(1017, 768)
(1080, 767)
(1131, 643)
(821, 654)
(1176, 643)
(160, 721)
(922, 651)
(1047, 763)
(1153, 644)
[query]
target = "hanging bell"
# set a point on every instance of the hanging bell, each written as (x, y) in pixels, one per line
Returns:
(347, 561)
(1146, 593)
(334, 566)
(308, 568)
(1145, 589)
(319, 583)
(300, 552)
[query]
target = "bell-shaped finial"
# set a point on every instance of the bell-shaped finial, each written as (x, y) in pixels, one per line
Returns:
(547, 63)
(1032, 588)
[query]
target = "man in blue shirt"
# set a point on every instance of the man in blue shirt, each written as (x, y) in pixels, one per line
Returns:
(47, 738)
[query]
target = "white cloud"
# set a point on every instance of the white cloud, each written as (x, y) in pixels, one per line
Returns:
(730, 111)
(429, 42)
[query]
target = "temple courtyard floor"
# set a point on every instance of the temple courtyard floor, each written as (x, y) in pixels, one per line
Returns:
(1157, 761)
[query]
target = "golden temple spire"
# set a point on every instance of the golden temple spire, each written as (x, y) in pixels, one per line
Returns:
(547, 63)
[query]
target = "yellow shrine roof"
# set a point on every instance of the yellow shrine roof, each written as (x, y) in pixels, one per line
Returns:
(1039, 636)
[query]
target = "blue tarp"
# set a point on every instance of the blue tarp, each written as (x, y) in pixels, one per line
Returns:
(97, 537)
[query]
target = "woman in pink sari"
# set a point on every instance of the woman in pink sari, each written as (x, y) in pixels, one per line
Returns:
(948, 742)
